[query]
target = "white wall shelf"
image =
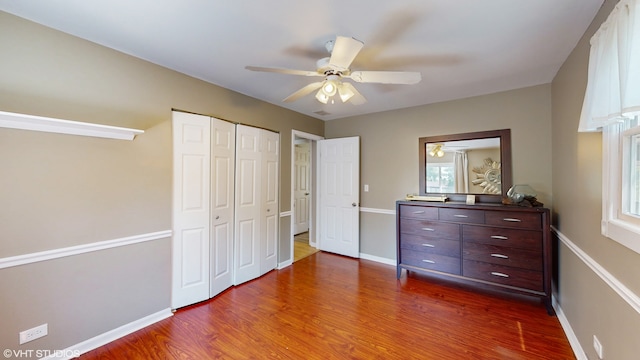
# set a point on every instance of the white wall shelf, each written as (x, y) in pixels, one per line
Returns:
(39, 123)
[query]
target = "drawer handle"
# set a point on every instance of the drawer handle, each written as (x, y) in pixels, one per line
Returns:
(427, 229)
(429, 261)
(419, 212)
(512, 220)
(499, 237)
(499, 256)
(460, 216)
(495, 273)
(429, 245)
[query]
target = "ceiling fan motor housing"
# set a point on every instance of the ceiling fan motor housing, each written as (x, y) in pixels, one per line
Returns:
(324, 67)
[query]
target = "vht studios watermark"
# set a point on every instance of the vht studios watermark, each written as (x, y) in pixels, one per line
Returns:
(68, 354)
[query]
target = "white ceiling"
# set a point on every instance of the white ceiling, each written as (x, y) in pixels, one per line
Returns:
(461, 48)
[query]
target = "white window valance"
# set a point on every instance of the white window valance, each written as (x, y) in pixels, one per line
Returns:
(613, 85)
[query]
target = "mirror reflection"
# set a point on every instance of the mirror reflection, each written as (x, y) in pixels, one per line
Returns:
(463, 166)
(457, 165)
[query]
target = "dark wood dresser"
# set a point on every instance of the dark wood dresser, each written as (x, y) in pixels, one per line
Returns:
(502, 247)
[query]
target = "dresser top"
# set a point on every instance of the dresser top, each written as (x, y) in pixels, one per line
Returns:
(478, 206)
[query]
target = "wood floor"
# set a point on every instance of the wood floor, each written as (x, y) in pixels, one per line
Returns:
(301, 247)
(332, 307)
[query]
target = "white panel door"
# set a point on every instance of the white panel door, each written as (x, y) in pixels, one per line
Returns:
(247, 204)
(340, 196)
(301, 187)
(269, 157)
(223, 140)
(191, 178)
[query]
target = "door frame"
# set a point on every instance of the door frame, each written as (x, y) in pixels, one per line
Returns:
(313, 201)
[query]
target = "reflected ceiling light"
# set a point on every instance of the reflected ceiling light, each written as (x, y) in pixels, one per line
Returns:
(437, 151)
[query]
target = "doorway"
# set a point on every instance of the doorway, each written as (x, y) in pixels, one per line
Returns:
(303, 194)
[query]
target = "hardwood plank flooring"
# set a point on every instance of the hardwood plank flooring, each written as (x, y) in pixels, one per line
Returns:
(327, 306)
(301, 247)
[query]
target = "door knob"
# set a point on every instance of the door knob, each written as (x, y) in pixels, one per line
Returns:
(354, 204)
(306, 193)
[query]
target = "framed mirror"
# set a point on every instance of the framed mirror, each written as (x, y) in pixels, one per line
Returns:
(457, 165)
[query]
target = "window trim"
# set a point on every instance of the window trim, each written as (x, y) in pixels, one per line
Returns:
(615, 226)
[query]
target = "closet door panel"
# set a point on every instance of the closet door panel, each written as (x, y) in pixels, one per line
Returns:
(191, 201)
(247, 204)
(270, 155)
(223, 138)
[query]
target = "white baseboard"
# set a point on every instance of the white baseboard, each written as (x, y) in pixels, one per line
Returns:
(112, 335)
(578, 351)
(284, 264)
(379, 259)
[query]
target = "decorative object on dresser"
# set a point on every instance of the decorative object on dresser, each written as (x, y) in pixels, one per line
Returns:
(522, 195)
(501, 247)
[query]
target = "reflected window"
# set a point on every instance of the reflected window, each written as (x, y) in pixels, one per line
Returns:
(440, 178)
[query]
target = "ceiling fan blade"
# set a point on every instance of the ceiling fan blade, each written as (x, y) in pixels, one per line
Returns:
(344, 51)
(386, 77)
(304, 91)
(356, 98)
(283, 71)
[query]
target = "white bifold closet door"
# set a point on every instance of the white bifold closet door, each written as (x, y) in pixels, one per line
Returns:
(223, 146)
(203, 192)
(256, 205)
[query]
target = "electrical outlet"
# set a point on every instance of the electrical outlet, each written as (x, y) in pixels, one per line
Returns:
(598, 347)
(34, 333)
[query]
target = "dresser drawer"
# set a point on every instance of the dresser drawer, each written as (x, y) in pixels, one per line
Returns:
(461, 215)
(418, 212)
(500, 255)
(525, 239)
(520, 220)
(430, 261)
(430, 229)
(505, 275)
(431, 245)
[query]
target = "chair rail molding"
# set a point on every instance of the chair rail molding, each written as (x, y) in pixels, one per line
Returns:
(377, 211)
(24, 259)
(616, 285)
(40, 123)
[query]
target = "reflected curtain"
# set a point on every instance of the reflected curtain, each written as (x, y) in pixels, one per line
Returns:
(461, 173)
(612, 90)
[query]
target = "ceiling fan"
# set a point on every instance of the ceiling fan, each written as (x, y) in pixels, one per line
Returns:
(336, 68)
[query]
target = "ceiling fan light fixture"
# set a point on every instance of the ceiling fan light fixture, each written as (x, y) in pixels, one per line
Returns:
(329, 88)
(321, 96)
(345, 93)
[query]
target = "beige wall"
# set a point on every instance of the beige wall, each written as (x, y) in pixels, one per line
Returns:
(62, 190)
(389, 149)
(591, 306)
